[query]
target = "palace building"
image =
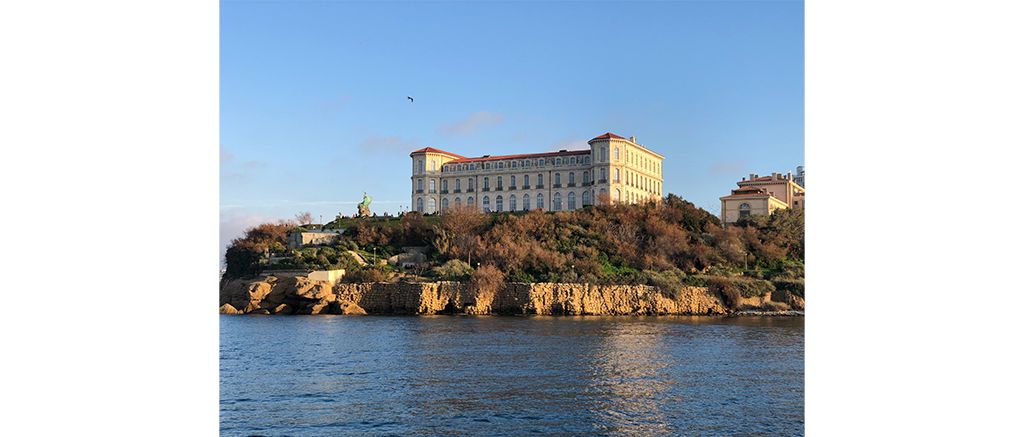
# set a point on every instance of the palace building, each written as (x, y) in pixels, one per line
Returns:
(613, 169)
(762, 195)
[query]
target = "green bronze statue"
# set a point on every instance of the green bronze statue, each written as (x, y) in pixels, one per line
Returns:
(364, 206)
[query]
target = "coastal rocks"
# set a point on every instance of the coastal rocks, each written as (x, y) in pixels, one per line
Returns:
(589, 299)
(300, 295)
(245, 295)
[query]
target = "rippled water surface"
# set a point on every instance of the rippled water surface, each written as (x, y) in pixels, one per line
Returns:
(454, 375)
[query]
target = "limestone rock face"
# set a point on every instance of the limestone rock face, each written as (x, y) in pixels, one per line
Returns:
(589, 299)
(245, 295)
(299, 295)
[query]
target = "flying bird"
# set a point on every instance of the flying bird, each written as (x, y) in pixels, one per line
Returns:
(410, 99)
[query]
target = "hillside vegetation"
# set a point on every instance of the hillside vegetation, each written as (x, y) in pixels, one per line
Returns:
(667, 244)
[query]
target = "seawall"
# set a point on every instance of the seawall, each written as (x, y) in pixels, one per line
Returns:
(300, 295)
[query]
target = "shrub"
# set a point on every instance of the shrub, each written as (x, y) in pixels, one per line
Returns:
(668, 281)
(732, 289)
(454, 270)
(366, 274)
(795, 286)
(727, 289)
(486, 279)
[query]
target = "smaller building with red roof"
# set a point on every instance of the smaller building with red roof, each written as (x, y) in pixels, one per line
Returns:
(761, 195)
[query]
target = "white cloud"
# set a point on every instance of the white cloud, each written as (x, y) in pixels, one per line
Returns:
(471, 124)
(225, 156)
(729, 168)
(387, 143)
(570, 144)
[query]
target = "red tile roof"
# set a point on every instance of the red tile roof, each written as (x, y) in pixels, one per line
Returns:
(748, 190)
(607, 135)
(520, 156)
(433, 150)
(735, 196)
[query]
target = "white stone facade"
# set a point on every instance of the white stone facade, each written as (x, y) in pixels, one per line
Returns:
(613, 169)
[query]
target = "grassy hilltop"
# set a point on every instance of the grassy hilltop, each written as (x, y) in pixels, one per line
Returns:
(666, 244)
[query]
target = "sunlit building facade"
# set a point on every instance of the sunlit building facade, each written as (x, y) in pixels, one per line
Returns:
(613, 169)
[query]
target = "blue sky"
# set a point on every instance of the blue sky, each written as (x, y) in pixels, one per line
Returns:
(313, 107)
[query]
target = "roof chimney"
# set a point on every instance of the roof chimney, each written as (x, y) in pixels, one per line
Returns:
(789, 175)
(753, 176)
(632, 139)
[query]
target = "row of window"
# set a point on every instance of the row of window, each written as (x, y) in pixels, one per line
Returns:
(499, 201)
(499, 165)
(632, 158)
(640, 161)
(632, 179)
(500, 180)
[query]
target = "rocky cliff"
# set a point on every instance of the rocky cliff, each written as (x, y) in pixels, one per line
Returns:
(299, 295)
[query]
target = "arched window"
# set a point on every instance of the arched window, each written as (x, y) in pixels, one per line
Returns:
(487, 204)
(604, 176)
(512, 181)
(487, 183)
(419, 185)
(558, 179)
(618, 195)
(472, 183)
(540, 201)
(586, 177)
(433, 206)
(572, 201)
(499, 204)
(558, 161)
(586, 198)
(512, 203)
(458, 185)
(557, 202)
(572, 178)
(572, 161)
(540, 162)
(616, 175)
(433, 186)
(444, 185)
(419, 204)
(458, 202)
(526, 180)
(500, 185)
(604, 154)
(616, 153)
(470, 201)
(526, 202)
(540, 180)
(444, 204)
(420, 162)
(744, 210)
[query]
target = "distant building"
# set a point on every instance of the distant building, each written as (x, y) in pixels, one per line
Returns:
(799, 177)
(762, 195)
(613, 169)
(297, 239)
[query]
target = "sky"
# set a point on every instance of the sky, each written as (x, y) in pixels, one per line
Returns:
(314, 109)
